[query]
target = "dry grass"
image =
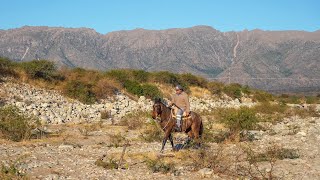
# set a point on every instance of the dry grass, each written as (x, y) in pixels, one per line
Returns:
(199, 92)
(105, 88)
(135, 120)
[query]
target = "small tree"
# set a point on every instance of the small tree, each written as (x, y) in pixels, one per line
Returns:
(239, 119)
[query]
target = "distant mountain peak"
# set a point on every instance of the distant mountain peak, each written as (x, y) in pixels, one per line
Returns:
(262, 59)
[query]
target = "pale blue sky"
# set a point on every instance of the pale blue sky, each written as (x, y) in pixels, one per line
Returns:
(112, 15)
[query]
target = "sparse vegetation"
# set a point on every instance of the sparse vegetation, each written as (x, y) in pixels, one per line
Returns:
(152, 132)
(238, 119)
(110, 163)
(134, 120)
(14, 125)
(11, 171)
(81, 91)
(159, 165)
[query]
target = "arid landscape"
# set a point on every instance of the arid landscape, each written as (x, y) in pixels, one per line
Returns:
(47, 132)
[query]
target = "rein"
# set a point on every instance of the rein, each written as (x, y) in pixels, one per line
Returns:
(169, 119)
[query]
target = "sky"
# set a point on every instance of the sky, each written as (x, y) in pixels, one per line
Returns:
(113, 15)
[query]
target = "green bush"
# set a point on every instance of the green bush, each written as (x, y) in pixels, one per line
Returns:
(193, 80)
(215, 87)
(133, 87)
(151, 91)
(81, 91)
(289, 99)
(233, 90)
(120, 75)
(268, 108)
(15, 126)
(6, 67)
(239, 119)
(41, 69)
(140, 76)
(262, 96)
(166, 77)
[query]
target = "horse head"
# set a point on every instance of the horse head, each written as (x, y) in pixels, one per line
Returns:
(157, 108)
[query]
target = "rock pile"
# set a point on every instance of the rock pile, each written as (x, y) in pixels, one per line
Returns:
(53, 108)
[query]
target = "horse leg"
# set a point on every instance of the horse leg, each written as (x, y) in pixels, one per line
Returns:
(196, 137)
(171, 141)
(189, 138)
(164, 141)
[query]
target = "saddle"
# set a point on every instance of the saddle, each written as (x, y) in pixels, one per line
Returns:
(184, 118)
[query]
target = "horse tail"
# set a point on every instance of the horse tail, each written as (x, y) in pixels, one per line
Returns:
(201, 129)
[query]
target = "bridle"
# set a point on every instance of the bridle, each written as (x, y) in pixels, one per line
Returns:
(158, 117)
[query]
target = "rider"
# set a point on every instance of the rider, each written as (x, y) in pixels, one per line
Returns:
(181, 100)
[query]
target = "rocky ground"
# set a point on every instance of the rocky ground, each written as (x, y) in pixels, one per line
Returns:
(79, 140)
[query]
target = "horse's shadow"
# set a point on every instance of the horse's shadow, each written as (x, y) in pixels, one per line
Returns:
(188, 145)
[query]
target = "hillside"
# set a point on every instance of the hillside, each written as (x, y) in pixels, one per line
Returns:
(73, 140)
(270, 60)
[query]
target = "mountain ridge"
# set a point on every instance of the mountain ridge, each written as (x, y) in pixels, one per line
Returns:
(262, 59)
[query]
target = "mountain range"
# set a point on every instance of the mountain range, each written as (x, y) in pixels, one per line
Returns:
(276, 61)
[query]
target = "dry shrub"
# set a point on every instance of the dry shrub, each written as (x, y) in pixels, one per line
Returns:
(79, 74)
(310, 111)
(152, 132)
(86, 129)
(105, 114)
(239, 162)
(134, 120)
(270, 108)
(159, 165)
(109, 163)
(105, 88)
(14, 125)
(117, 140)
(199, 92)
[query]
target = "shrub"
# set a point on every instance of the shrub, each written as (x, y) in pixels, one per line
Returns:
(133, 87)
(233, 90)
(192, 80)
(238, 119)
(105, 88)
(15, 126)
(81, 91)
(120, 75)
(152, 132)
(117, 140)
(312, 100)
(107, 164)
(41, 69)
(6, 67)
(165, 77)
(140, 76)
(215, 87)
(268, 108)
(158, 165)
(134, 120)
(289, 99)
(151, 91)
(262, 96)
(11, 170)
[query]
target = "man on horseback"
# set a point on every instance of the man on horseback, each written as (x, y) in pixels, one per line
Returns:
(181, 100)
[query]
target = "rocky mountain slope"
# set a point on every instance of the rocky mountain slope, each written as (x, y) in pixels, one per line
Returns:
(271, 60)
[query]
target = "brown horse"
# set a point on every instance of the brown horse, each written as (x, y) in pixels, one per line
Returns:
(192, 125)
